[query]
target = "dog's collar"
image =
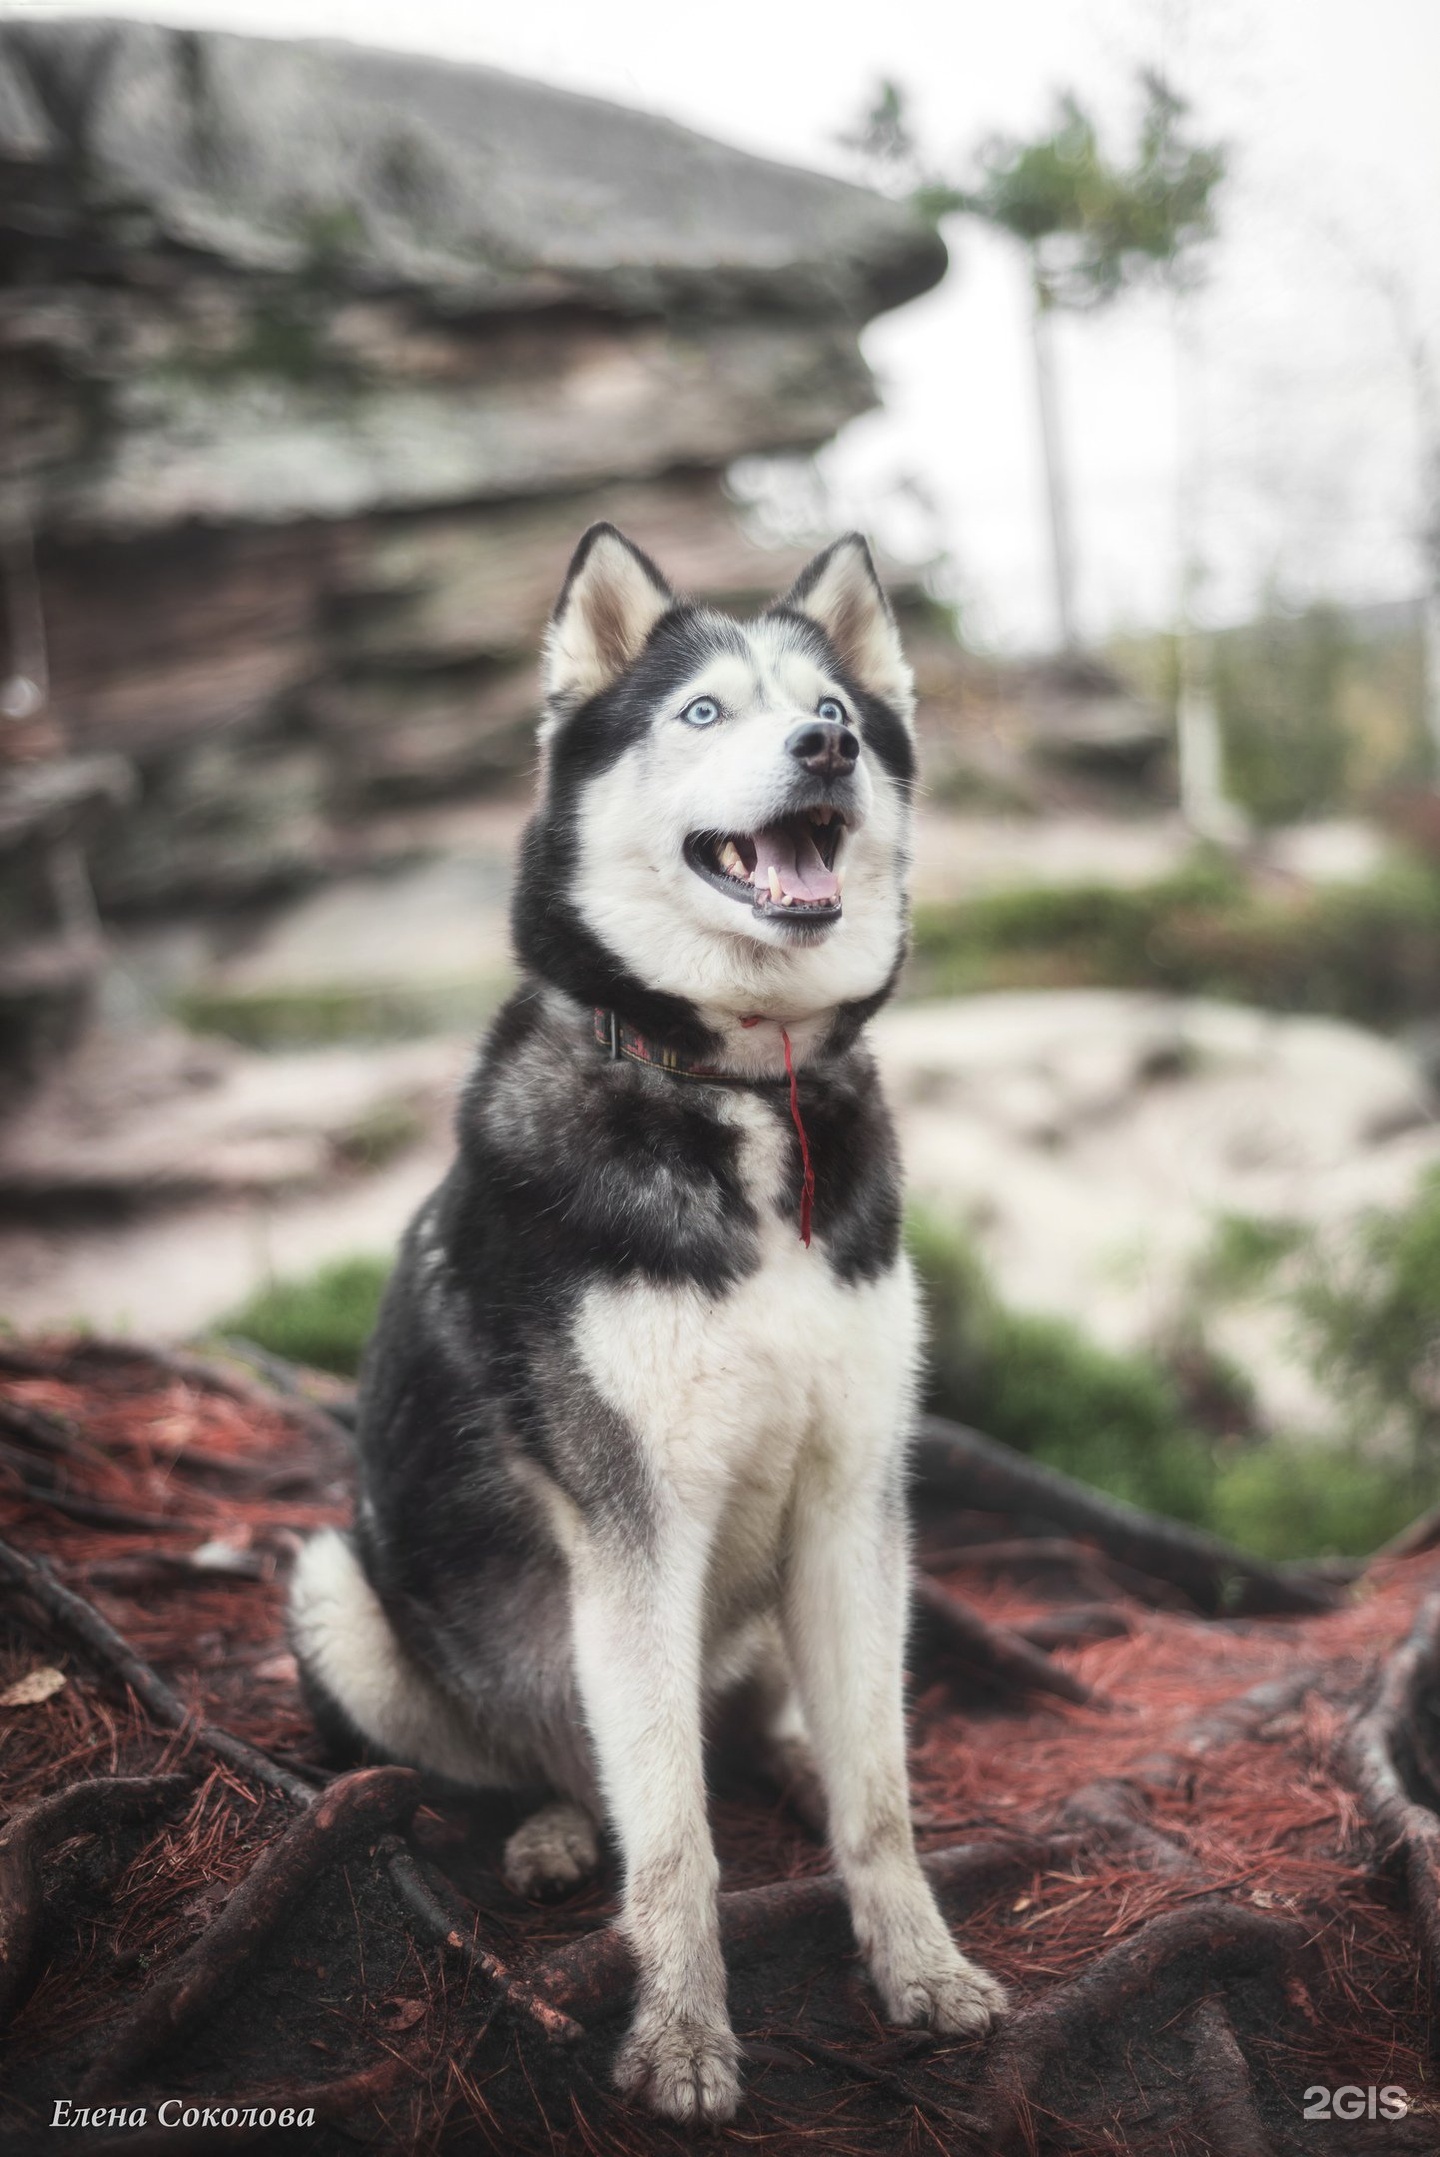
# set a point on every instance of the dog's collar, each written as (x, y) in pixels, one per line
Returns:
(624, 1043)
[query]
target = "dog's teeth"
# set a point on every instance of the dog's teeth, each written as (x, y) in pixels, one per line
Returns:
(730, 858)
(775, 892)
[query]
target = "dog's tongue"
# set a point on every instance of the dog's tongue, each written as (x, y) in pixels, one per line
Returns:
(790, 851)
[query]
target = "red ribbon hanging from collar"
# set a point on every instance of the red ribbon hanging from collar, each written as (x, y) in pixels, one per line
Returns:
(807, 1182)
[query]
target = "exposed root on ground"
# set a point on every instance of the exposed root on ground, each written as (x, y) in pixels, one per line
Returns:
(974, 1471)
(79, 1622)
(1211, 1941)
(354, 1808)
(1178, 1841)
(86, 1808)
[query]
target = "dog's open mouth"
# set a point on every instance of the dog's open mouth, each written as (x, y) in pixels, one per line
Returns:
(787, 869)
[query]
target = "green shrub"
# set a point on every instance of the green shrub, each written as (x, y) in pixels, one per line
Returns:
(323, 1318)
(1283, 1500)
(1143, 1428)
(1244, 1254)
(1373, 1316)
(1117, 1421)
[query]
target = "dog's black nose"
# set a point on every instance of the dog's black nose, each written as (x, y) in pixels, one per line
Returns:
(824, 747)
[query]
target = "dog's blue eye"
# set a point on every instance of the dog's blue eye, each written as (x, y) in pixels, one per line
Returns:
(828, 708)
(703, 712)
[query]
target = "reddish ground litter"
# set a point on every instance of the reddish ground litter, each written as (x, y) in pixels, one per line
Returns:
(1202, 1851)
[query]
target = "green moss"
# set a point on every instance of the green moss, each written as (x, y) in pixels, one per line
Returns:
(1368, 952)
(322, 1319)
(333, 236)
(283, 337)
(317, 1017)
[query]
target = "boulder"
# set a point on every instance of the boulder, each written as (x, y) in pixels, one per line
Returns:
(1093, 1140)
(314, 364)
(485, 193)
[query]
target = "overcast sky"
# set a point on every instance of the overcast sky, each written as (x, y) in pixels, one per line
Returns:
(1304, 417)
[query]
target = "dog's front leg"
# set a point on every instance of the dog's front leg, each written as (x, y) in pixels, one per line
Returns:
(846, 1609)
(637, 1615)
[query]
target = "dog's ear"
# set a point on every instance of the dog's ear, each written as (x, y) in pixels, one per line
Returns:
(841, 591)
(612, 597)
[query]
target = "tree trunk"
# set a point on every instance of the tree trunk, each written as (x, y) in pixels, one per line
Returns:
(1057, 491)
(1204, 802)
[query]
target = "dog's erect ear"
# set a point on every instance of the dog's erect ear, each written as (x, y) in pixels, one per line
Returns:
(841, 591)
(612, 597)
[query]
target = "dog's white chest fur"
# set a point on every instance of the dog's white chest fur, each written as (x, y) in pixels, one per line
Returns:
(732, 1396)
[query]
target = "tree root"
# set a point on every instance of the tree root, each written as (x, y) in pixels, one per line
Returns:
(310, 1842)
(82, 1809)
(48, 1436)
(1117, 1806)
(82, 1623)
(191, 1370)
(141, 1568)
(1202, 1948)
(440, 1915)
(993, 1650)
(786, 2045)
(39, 1487)
(975, 1471)
(1115, 1809)
(1215, 1938)
(1095, 1569)
(1075, 1628)
(1380, 1747)
(338, 1400)
(354, 1808)
(47, 1433)
(1221, 2093)
(591, 1977)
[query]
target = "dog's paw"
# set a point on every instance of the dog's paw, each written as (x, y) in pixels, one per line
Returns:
(553, 1851)
(685, 2070)
(945, 1993)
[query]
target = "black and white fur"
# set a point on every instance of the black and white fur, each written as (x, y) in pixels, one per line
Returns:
(625, 1443)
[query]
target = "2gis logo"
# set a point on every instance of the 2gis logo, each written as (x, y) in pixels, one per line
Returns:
(1350, 2102)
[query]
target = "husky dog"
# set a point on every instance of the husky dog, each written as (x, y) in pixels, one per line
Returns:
(632, 1433)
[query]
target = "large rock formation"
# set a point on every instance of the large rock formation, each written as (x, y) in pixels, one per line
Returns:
(313, 363)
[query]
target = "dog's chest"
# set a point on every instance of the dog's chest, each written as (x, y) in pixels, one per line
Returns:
(788, 1379)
